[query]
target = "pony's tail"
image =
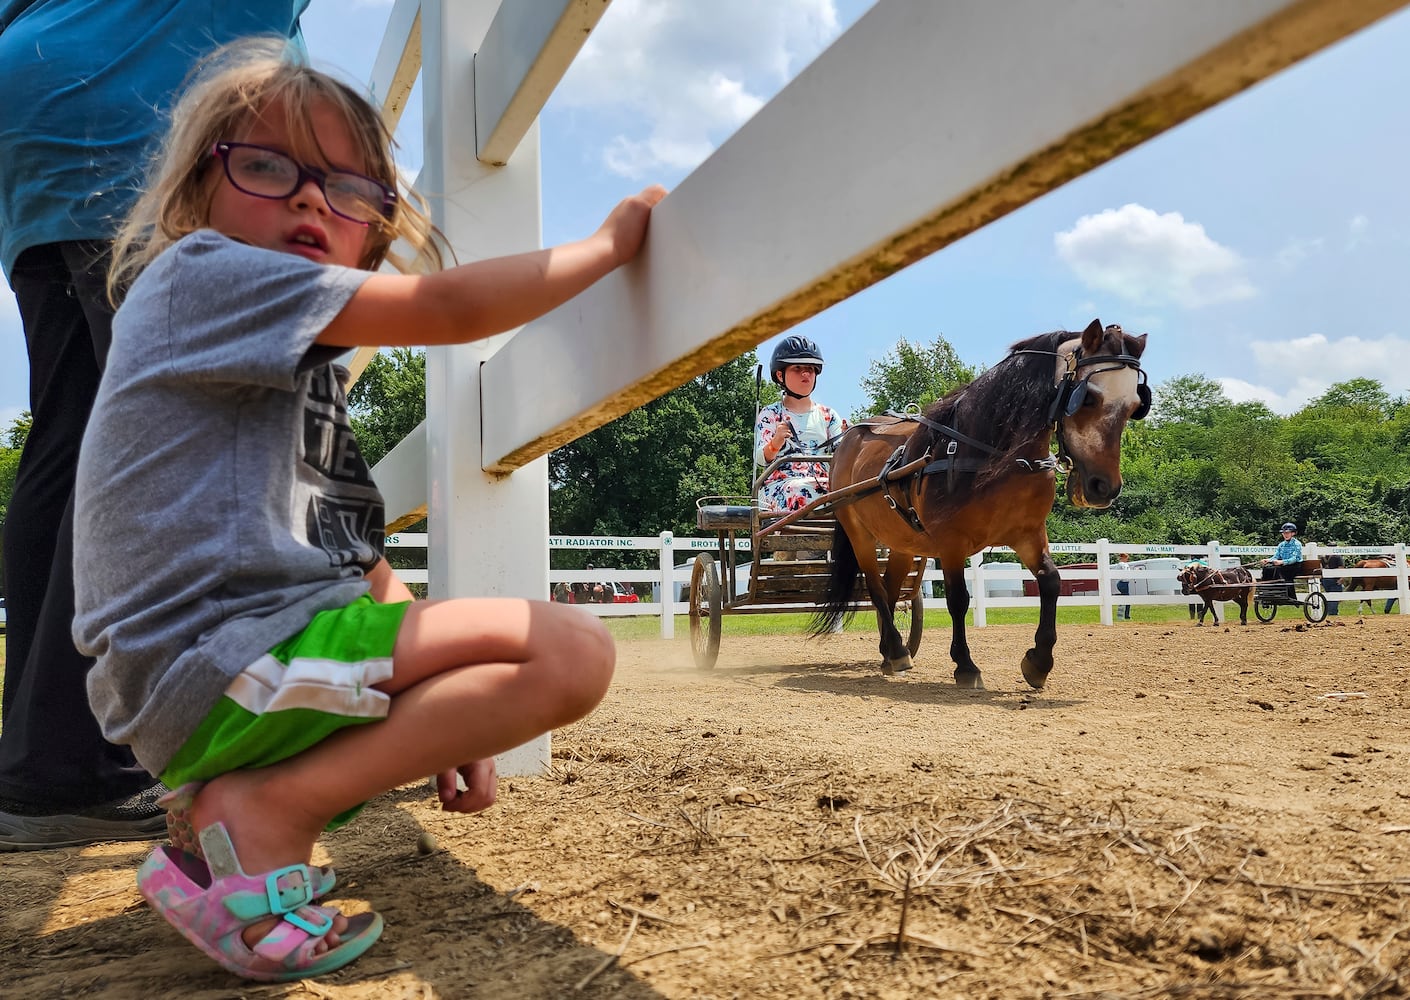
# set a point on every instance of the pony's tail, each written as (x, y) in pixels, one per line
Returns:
(840, 585)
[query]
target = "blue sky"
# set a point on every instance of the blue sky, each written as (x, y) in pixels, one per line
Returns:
(1263, 244)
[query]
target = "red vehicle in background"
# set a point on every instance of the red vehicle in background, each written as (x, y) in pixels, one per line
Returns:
(622, 594)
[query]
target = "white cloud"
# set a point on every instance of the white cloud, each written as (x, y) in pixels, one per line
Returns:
(1294, 372)
(1152, 259)
(1295, 398)
(1295, 251)
(678, 77)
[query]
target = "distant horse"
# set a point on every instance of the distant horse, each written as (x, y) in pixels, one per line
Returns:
(1232, 584)
(1365, 583)
(976, 469)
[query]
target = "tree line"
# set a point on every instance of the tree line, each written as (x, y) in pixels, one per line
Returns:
(1200, 467)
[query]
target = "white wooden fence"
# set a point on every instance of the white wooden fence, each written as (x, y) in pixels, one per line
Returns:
(992, 583)
(1017, 98)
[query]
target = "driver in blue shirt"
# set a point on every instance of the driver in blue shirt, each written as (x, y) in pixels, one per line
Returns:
(1286, 558)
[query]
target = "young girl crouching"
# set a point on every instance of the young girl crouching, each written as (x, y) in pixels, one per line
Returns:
(253, 646)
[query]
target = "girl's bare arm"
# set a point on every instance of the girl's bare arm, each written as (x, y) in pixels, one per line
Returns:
(487, 297)
(387, 588)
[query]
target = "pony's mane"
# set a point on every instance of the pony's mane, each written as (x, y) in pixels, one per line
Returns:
(1007, 406)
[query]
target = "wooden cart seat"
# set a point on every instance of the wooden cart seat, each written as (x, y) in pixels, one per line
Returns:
(716, 517)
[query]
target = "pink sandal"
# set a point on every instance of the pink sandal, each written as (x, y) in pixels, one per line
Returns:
(211, 902)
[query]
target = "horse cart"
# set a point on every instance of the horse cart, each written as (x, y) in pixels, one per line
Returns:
(790, 564)
(1303, 591)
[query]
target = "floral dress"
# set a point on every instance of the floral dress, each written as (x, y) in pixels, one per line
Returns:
(793, 485)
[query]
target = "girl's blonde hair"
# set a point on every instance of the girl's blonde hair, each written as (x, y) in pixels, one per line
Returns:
(227, 91)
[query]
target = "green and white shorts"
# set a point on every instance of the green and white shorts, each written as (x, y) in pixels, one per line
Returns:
(298, 694)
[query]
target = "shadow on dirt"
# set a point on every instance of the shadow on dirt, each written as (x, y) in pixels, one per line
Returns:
(441, 920)
(917, 687)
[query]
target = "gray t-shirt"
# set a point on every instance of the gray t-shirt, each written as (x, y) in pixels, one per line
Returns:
(222, 499)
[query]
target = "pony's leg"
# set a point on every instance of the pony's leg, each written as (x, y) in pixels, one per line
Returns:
(1242, 602)
(1390, 604)
(957, 603)
(1038, 661)
(895, 657)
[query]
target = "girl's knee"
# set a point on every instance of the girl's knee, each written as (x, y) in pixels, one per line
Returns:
(597, 659)
(581, 661)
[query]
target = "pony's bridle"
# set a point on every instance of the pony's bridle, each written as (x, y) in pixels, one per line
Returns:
(1072, 391)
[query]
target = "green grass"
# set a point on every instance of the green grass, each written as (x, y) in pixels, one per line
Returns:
(649, 627)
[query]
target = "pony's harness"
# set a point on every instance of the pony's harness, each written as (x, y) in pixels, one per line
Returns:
(1071, 392)
(1223, 578)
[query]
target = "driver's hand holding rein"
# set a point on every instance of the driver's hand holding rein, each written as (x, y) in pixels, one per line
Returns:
(776, 444)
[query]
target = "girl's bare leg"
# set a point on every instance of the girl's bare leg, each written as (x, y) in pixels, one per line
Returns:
(471, 679)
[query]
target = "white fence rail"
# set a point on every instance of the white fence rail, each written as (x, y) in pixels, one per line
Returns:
(992, 581)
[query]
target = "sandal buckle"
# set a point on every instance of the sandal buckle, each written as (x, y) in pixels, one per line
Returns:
(284, 901)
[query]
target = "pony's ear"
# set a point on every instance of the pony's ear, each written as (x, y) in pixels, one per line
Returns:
(1092, 337)
(1135, 345)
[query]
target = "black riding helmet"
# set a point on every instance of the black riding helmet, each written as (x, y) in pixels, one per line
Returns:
(793, 350)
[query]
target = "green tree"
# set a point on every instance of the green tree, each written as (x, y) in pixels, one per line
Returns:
(1188, 399)
(388, 401)
(14, 436)
(385, 405)
(1351, 428)
(643, 472)
(1357, 393)
(18, 432)
(913, 374)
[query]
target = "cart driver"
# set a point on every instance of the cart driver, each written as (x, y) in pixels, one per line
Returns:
(1286, 559)
(795, 425)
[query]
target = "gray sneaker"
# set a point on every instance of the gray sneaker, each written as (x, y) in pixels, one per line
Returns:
(137, 817)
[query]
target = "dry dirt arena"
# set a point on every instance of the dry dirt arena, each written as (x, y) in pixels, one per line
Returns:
(1184, 812)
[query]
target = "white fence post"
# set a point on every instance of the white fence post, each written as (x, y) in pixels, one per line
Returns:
(487, 534)
(980, 592)
(1215, 565)
(1104, 578)
(668, 586)
(1402, 584)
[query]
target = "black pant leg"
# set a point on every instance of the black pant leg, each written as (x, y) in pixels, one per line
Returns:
(51, 750)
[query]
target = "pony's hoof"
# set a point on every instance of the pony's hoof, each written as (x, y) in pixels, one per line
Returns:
(1035, 675)
(897, 666)
(969, 679)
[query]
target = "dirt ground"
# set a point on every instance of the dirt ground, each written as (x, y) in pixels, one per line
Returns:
(1184, 812)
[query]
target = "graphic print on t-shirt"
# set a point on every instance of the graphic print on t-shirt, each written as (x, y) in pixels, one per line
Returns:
(346, 517)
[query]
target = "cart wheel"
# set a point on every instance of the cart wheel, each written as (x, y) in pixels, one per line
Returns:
(1263, 610)
(705, 611)
(909, 619)
(1315, 607)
